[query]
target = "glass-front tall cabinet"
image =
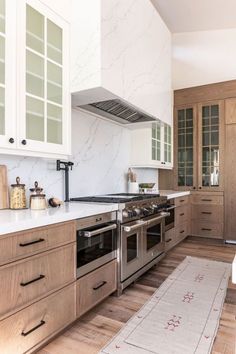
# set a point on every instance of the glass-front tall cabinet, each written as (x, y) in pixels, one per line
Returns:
(199, 146)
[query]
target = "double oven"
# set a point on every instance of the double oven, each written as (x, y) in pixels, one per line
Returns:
(142, 241)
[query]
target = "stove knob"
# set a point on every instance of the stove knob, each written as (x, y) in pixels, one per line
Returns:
(125, 213)
(130, 213)
(145, 211)
(137, 211)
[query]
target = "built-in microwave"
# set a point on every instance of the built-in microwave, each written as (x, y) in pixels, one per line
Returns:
(96, 242)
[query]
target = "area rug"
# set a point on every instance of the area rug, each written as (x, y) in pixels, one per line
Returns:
(182, 316)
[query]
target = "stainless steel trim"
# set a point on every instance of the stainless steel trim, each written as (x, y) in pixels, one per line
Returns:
(95, 220)
(162, 216)
(170, 208)
(134, 227)
(89, 267)
(97, 231)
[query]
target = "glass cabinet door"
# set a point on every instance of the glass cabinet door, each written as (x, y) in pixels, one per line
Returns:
(167, 144)
(210, 146)
(45, 81)
(156, 141)
(2, 67)
(185, 137)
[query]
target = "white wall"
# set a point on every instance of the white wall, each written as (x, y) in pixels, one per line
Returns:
(203, 57)
(101, 152)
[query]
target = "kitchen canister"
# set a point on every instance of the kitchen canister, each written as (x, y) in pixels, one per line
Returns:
(17, 195)
(37, 198)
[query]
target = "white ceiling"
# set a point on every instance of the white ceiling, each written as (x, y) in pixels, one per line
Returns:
(197, 15)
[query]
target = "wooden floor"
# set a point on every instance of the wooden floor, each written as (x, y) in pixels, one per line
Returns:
(93, 330)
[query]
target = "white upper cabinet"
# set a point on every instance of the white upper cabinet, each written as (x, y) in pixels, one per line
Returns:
(40, 93)
(125, 50)
(152, 146)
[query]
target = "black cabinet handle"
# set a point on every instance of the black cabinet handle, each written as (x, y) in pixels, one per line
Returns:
(194, 187)
(33, 280)
(182, 200)
(100, 285)
(206, 200)
(23, 142)
(98, 219)
(11, 141)
(200, 187)
(163, 163)
(182, 214)
(205, 229)
(206, 212)
(170, 239)
(31, 243)
(24, 334)
(181, 232)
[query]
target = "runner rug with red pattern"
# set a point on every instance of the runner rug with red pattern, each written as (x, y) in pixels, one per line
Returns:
(182, 316)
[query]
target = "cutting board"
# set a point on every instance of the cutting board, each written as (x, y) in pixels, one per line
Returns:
(4, 198)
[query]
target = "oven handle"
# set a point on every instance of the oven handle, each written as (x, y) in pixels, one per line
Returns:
(169, 208)
(162, 216)
(134, 227)
(97, 231)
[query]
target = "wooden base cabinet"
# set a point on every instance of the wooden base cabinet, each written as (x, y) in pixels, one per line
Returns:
(207, 210)
(23, 331)
(94, 287)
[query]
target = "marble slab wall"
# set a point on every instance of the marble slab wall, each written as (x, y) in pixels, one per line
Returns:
(101, 152)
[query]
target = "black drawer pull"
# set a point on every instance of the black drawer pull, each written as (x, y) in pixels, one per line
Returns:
(170, 239)
(206, 200)
(182, 200)
(24, 334)
(31, 243)
(33, 280)
(98, 219)
(205, 229)
(181, 232)
(100, 285)
(182, 214)
(206, 212)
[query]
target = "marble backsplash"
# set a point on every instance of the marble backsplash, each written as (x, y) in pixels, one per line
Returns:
(101, 151)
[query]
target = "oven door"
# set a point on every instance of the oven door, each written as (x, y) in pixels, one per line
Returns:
(153, 237)
(131, 248)
(95, 246)
(170, 220)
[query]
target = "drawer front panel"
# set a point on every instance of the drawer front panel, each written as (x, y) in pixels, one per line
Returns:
(32, 325)
(30, 279)
(181, 215)
(94, 287)
(207, 229)
(182, 200)
(181, 231)
(207, 199)
(210, 213)
(26, 243)
(169, 239)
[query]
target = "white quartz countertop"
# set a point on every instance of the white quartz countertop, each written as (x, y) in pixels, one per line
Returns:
(173, 194)
(19, 220)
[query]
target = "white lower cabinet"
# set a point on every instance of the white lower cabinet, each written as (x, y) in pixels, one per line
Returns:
(151, 146)
(38, 96)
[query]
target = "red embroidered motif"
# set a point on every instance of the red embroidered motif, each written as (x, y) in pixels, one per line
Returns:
(173, 323)
(188, 297)
(199, 278)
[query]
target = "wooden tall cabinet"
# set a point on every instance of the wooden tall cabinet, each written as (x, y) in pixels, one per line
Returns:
(199, 142)
(230, 169)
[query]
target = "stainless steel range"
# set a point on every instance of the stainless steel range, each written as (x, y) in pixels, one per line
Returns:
(141, 232)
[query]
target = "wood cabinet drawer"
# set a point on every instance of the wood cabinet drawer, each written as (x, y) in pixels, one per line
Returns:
(181, 200)
(210, 213)
(27, 280)
(169, 239)
(94, 287)
(207, 229)
(26, 243)
(182, 214)
(181, 231)
(207, 199)
(30, 326)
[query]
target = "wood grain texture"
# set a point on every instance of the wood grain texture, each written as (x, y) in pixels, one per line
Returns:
(210, 213)
(170, 239)
(207, 229)
(57, 310)
(180, 201)
(51, 236)
(182, 214)
(230, 111)
(4, 195)
(230, 183)
(94, 287)
(90, 333)
(204, 198)
(57, 268)
(205, 93)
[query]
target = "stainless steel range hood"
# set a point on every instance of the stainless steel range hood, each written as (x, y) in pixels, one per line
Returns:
(112, 107)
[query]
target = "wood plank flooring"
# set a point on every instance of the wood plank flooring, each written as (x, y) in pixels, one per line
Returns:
(90, 333)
